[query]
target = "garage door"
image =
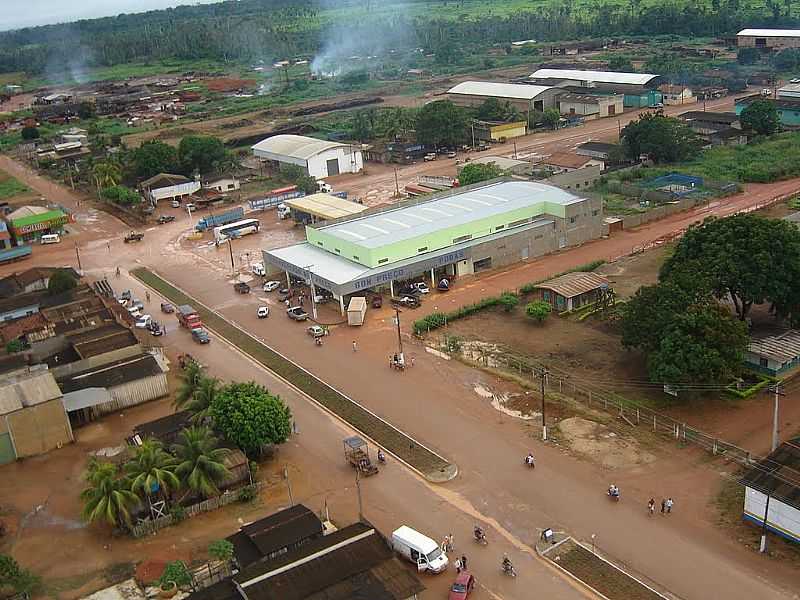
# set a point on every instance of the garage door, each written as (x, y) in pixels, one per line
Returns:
(333, 166)
(6, 449)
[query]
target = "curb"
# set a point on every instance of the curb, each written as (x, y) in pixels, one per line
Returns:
(451, 470)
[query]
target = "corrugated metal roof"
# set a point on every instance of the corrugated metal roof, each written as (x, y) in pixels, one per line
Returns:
(85, 398)
(325, 206)
(566, 160)
(574, 284)
(27, 389)
(518, 91)
(770, 32)
(778, 474)
(293, 146)
(596, 76)
(780, 348)
(501, 161)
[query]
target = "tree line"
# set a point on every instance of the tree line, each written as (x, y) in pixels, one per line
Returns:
(267, 29)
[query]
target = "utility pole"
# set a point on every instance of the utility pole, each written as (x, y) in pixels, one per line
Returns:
(313, 291)
(358, 491)
(78, 255)
(230, 249)
(776, 390)
(396, 186)
(288, 484)
(399, 339)
(515, 149)
(763, 547)
(472, 126)
(544, 374)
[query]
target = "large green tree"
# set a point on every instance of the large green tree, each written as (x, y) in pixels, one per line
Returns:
(107, 496)
(748, 258)
(150, 471)
(202, 398)
(60, 282)
(250, 417)
(761, 116)
(201, 154)
(154, 157)
(663, 139)
(475, 173)
(441, 123)
(200, 462)
(190, 378)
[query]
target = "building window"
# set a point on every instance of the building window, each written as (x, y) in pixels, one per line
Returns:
(595, 212)
(463, 238)
(499, 227)
(355, 257)
(383, 260)
(538, 237)
(573, 219)
(231, 186)
(319, 243)
(763, 363)
(337, 251)
(423, 249)
(577, 186)
(518, 223)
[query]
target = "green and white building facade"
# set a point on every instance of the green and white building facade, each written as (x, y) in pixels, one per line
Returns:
(455, 233)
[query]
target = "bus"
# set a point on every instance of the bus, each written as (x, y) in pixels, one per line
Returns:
(237, 229)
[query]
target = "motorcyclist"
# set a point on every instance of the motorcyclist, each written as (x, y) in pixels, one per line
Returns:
(381, 456)
(479, 533)
(318, 341)
(529, 459)
(613, 491)
(507, 566)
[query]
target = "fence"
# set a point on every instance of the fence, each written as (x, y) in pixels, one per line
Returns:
(146, 527)
(633, 413)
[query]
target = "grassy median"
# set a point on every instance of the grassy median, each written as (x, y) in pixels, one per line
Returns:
(434, 467)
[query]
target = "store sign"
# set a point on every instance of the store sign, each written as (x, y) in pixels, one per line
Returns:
(41, 226)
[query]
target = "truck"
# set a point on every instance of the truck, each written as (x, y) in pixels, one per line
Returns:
(188, 317)
(437, 181)
(276, 197)
(356, 310)
(211, 221)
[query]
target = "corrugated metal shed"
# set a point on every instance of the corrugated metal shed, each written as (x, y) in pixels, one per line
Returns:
(519, 91)
(770, 32)
(596, 76)
(293, 146)
(574, 284)
(780, 348)
(325, 206)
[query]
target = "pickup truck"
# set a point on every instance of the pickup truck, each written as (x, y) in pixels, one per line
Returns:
(241, 287)
(165, 219)
(188, 317)
(297, 313)
(407, 301)
(133, 236)
(200, 335)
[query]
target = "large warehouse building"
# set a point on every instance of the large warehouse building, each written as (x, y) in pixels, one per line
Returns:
(523, 97)
(319, 158)
(639, 89)
(773, 39)
(458, 232)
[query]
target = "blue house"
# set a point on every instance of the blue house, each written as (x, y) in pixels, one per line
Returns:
(774, 355)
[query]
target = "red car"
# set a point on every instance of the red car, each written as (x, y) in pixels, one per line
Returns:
(462, 586)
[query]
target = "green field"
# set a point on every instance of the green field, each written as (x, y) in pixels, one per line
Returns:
(10, 187)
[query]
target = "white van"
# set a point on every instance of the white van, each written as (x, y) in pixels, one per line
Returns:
(419, 549)
(258, 269)
(51, 238)
(323, 187)
(284, 212)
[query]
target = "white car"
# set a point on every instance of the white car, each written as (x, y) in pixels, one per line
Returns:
(421, 287)
(258, 269)
(262, 312)
(176, 204)
(191, 206)
(143, 321)
(271, 286)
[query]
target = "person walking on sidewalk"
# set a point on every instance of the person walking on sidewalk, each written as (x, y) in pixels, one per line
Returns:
(669, 504)
(651, 507)
(355, 346)
(663, 506)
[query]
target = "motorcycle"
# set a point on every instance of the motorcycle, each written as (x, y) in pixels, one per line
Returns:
(613, 494)
(480, 536)
(529, 462)
(508, 568)
(381, 457)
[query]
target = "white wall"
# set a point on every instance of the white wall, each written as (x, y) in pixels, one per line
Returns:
(781, 517)
(348, 163)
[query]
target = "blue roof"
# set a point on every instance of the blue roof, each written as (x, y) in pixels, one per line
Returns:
(13, 253)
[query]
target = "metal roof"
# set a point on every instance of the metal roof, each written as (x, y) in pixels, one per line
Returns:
(781, 348)
(325, 206)
(574, 284)
(27, 389)
(770, 32)
(85, 398)
(778, 475)
(459, 208)
(293, 146)
(597, 76)
(502, 162)
(566, 160)
(519, 91)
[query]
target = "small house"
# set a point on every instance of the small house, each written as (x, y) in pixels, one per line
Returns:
(599, 150)
(496, 131)
(676, 94)
(572, 290)
(772, 491)
(166, 186)
(590, 106)
(222, 184)
(561, 162)
(774, 354)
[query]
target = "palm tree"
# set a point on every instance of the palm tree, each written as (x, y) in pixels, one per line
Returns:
(200, 461)
(108, 497)
(151, 470)
(190, 380)
(200, 403)
(106, 174)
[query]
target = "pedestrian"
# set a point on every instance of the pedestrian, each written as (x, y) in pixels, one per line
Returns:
(109, 246)
(301, 299)
(669, 505)
(458, 565)
(463, 562)
(451, 542)
(147, 296)
(651, 506)
(412, 360)
(663, 506)
(288, 304)
(445, 543)
(355, 347)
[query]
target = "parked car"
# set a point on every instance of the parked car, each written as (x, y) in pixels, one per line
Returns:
(409, 290)
(443, 285)
(272, 286)
(167, 308)
(462, 587)
(155, 328)
(200, 336)
(316, 331)
(419, 549)
(407, 301)
(191, 206)
(133, 236)
(126, 295)
(421, 287)
(451, 155)
(165, 219)
(262, 312)
(297, 313)
(284, 294)
(376, 301)
(241, 287)
(143, 322)
(176, 204)
(430, 156)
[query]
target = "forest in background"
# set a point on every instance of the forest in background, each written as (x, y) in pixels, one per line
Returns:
(266, 30)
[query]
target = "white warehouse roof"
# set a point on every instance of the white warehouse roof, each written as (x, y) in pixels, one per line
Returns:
(293, 146)
(598, 76)
(770, 32)
(520, 91)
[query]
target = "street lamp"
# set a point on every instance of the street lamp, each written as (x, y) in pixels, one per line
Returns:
(310, 278)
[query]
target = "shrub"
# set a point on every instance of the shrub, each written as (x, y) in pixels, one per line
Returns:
(221, 550)
(176, 571)
(60, 282)
(247, 493)
(178, 513)
(538, 310)
(14, 346)
(508, 300)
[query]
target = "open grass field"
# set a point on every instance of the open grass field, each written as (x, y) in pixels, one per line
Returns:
(10, 187)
